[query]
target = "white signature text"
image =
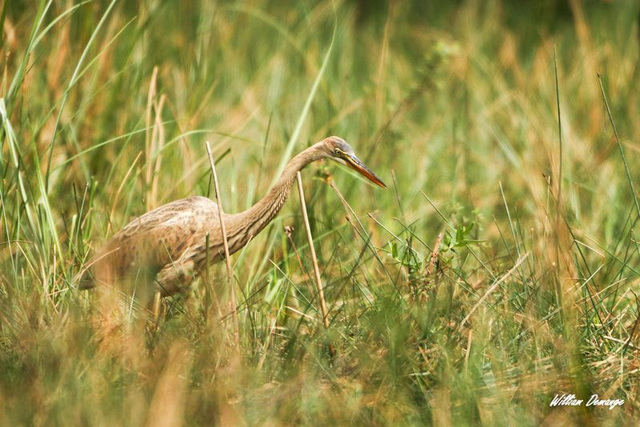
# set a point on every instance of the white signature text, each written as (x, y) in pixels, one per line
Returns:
(594, 400)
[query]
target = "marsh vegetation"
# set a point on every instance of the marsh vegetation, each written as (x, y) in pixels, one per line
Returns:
(499, 269)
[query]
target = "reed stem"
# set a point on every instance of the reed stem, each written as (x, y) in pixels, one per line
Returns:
(227, 259)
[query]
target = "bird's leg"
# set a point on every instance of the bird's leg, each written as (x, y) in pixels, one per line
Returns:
(153, 323)
(157, 299)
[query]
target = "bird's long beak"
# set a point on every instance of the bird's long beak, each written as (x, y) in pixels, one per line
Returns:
(354, 163)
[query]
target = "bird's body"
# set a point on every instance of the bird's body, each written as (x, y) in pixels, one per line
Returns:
(168, 245)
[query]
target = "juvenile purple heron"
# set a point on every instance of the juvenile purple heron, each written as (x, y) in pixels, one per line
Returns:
(169, 244)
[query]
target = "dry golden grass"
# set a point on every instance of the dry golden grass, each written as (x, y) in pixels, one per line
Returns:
(530, 292)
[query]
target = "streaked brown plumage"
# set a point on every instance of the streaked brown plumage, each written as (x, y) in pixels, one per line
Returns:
(168, 245)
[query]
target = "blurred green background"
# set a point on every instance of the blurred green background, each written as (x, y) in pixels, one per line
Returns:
(490, 121)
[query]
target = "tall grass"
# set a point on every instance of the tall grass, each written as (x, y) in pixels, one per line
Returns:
(530, 290)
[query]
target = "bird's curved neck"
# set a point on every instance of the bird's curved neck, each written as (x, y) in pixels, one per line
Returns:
(249, 223)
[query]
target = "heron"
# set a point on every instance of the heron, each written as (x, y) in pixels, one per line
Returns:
(171, 245)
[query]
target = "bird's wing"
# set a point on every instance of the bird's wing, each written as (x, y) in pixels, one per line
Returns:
(158, 238)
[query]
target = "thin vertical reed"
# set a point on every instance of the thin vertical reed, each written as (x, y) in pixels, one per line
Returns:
(232, 302)
(316, 269)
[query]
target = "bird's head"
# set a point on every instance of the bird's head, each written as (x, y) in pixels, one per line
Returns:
(339, 151)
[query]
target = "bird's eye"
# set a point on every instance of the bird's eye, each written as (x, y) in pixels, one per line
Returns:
(337, 151)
